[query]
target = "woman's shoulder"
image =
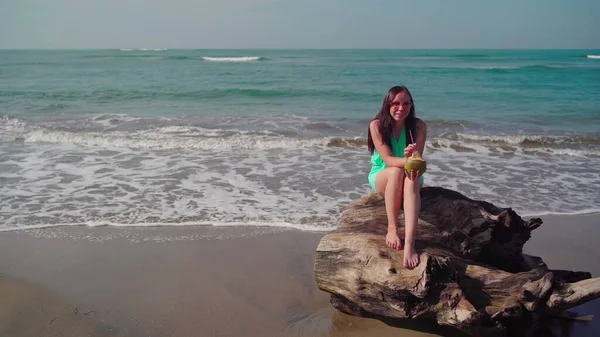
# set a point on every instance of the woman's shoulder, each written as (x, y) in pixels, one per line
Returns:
(374, 123)
(420, 123)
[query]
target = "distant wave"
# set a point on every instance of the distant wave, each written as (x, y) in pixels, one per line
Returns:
(143, 49)
(451, 55)
(140, 56)
(596, 57)
(124, 56)
(180, 57)
(155, 56)
(503, 68)
(497, 67)
(450, 123)
(136, 94)
(232, 59)
(469, 55)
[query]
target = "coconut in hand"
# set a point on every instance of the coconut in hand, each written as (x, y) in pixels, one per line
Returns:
(415, 163)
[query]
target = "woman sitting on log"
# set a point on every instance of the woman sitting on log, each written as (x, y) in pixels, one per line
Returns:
(395, 134)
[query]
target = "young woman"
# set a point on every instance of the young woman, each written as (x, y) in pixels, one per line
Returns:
(394, 134)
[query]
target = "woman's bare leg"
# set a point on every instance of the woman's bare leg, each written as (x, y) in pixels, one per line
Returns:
(389, 185)
(412, 208)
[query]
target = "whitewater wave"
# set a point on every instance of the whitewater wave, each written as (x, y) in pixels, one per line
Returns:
(347, 142)
(166, 141)
(130, 132)
(511, 144)
(576, 146)
(528, 140)
(232, 59)
(186, 138)
(164, 138)
(596, 57)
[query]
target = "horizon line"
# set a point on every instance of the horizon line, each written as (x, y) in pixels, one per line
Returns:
(265, 48)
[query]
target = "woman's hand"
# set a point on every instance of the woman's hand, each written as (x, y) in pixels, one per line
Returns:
(408, 151)
(413, 175)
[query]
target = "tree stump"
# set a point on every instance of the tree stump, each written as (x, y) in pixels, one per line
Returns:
(472, 276)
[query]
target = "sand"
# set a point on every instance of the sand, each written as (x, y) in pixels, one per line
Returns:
(213, 281)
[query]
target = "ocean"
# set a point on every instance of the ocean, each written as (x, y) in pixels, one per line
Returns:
(145, 137)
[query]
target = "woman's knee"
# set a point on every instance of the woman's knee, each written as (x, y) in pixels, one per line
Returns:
(396, 174)
(413, 186)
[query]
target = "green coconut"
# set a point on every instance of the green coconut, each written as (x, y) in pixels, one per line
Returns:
(415, 163)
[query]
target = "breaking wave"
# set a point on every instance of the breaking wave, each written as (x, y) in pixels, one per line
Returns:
(529, 140)
(578, 146)
(123, 131)
(163, 138)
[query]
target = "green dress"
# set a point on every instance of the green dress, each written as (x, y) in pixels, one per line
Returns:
(398, 146)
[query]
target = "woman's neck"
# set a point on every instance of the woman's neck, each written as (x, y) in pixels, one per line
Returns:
(397, 128)
(398, 125)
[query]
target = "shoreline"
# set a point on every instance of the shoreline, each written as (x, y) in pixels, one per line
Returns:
(585, 213)
(213, 281)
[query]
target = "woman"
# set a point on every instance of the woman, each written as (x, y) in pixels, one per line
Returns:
(394, 134)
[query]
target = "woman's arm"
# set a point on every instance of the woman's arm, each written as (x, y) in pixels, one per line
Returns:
(421, 135)
(384, 150)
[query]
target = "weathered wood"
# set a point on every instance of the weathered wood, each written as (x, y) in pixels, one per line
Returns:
(569, 295)
(472, 276)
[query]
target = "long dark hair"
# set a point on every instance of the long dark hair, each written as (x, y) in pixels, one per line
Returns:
(386, 122)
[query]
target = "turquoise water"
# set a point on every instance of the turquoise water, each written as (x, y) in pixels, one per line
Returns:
(277, 137)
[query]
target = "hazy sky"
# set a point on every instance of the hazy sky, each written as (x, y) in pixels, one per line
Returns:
(300, 24)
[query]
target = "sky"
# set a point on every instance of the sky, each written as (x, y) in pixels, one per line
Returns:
(407, 24)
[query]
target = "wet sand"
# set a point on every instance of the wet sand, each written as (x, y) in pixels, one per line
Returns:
(209, 281)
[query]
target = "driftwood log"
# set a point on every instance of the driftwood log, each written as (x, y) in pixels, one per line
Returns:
(473, 275)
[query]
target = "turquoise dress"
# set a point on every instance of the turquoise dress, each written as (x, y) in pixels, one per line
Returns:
(398, 146)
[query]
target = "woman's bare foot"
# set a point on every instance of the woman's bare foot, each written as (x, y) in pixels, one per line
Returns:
(392, 239)
(411, 258)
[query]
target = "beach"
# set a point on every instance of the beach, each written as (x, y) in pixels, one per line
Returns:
(214, 281)
(182, 192)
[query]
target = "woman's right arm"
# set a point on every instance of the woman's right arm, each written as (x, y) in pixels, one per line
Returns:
(384, 150)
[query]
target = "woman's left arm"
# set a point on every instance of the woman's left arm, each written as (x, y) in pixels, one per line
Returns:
(421, 135)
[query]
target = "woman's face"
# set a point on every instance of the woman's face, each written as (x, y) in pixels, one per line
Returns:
(400, 106)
